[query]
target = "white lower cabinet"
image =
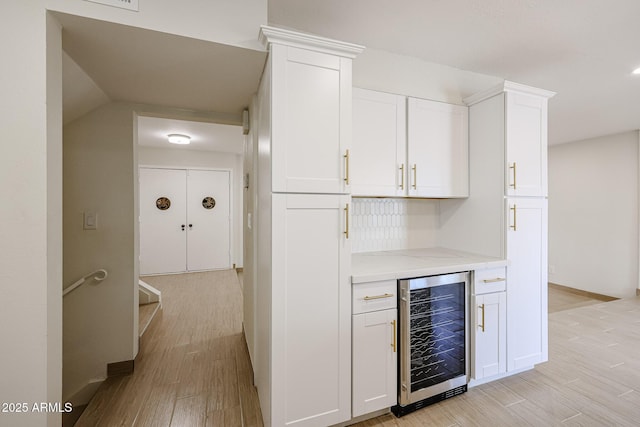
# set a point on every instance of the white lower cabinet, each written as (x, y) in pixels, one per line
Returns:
(310, 310)
(527, 333)
(489, 323)
(374, 347)
(490, 351)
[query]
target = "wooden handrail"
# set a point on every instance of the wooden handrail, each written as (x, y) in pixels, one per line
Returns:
(98, 275)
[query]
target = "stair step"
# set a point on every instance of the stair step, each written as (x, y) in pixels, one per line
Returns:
(146, 313)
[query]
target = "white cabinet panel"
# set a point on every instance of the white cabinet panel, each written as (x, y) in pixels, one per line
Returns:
(490, 335)
(527, 282)
(374, 296)
(311, 310)
(378, 153)
(311, 121)
(438, 149)
(526, 128)
(489, 280)
(374, 361)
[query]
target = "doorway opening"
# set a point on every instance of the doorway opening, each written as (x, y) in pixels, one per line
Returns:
(114, 76)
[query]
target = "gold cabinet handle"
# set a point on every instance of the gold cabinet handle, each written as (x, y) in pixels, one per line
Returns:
(482, 308)
(513, 225)
(415, 176)
(346, 221)
(346, 167)
(368, 298)
(497, 279)
(402, 176)
(514, 175)
(393, 344)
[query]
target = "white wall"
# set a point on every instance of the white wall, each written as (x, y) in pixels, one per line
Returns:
(148, 156)
(31, 241)
(100, 321)
(54, 214)
(406, 75)
(593, 214)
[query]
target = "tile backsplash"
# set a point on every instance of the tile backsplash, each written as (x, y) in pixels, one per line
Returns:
(388, 224)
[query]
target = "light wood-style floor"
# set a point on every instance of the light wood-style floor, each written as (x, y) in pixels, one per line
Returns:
(563, 298)
(194, 369)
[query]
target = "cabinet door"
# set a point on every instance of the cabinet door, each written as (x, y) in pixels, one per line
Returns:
(374, 361)
(378, 153)
(311, 310)
(490, 335)
(527, 338)
(311, 121)
(438, 149)
(526, 126)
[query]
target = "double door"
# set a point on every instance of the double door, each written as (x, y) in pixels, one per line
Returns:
(184, 220)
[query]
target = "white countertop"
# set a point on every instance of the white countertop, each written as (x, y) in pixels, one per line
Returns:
(409, 263)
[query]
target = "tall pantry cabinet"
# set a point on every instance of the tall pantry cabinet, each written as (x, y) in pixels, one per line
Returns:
(303, 302)
(506, 212)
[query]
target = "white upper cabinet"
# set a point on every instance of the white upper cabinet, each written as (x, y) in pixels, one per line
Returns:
(311, 121)
(438, 149)
(378, 154)
(512, 118)
(408, 147)
(526, 128)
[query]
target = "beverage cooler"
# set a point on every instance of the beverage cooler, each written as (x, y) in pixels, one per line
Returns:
(433, 337)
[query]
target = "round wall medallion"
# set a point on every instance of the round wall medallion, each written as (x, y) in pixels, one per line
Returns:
(208, 202)
(163, 203)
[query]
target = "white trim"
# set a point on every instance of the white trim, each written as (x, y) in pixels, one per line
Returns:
(507, 86)
(83, 395)
(272, 35)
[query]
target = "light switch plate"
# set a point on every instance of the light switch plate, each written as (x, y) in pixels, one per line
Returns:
(90, 220)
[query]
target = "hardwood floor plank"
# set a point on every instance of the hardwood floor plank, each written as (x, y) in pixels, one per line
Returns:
(101, 402)
(157, 409)
(190, 411)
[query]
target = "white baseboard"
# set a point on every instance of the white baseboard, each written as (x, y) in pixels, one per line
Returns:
(84, 395)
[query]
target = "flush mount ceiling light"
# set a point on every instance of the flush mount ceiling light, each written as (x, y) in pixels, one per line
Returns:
(636, 71)
(177, 138)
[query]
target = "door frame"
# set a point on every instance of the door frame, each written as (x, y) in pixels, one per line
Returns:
(232, 200)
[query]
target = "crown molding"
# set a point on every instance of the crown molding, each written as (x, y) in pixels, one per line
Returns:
(272, 35)
(507, 86)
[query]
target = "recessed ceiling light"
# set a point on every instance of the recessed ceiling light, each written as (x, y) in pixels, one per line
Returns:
(636, 71)
(176, 138)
